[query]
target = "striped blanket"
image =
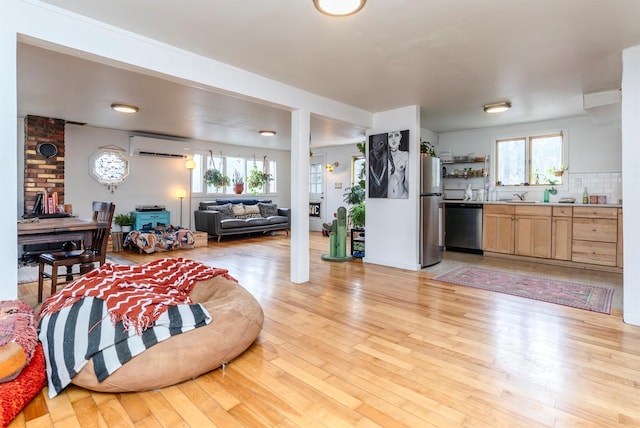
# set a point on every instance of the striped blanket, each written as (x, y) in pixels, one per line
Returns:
(77, 333)
(136, 295)
(145, 304)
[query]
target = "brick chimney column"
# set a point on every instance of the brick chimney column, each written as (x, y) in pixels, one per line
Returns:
(41, 172)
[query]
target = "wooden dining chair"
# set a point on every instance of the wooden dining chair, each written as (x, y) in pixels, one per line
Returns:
(102, 213)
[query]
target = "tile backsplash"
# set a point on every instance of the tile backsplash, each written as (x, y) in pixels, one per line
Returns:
(607, 184)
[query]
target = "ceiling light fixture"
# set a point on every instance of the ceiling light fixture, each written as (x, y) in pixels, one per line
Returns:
(124, 108)
(498, 107)
(339, 7)
(267, 133)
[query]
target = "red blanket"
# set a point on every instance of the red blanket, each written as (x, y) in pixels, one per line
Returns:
(136, 295)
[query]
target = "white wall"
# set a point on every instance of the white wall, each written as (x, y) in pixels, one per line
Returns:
(631, 152)
(152, 180)
(392, 224)
(594, 153)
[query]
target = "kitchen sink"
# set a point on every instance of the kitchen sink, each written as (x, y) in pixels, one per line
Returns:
(518, 201)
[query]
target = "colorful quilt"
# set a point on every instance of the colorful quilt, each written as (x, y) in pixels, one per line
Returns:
(161, 239)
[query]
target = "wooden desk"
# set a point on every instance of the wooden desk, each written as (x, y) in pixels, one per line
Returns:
(58, 230)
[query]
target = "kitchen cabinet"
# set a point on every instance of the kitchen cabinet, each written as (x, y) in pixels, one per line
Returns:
(498, 229)
(570, 235)
(595, 235)
(561, 233)
(532, 231)
(619, 255)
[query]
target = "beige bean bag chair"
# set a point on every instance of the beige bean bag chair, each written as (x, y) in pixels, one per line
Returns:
(237, 319)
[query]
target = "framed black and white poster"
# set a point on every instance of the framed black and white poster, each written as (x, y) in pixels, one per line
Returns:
(388, 163)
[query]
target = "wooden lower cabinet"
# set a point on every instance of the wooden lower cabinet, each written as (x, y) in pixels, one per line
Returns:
(619, 256)
(561, 233)
(595, 236)
(498, 229)
(594, 252)
(533, 231)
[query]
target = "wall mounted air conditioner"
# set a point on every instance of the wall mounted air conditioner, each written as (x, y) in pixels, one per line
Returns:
(157, 147)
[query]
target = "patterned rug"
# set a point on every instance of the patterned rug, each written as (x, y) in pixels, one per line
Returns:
(582, 296)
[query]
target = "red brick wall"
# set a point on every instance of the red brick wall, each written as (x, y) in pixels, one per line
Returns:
(42, 173)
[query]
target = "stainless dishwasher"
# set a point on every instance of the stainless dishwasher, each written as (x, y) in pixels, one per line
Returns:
(463, 227)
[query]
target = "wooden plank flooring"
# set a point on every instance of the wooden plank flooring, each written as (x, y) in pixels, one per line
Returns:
(364, 345)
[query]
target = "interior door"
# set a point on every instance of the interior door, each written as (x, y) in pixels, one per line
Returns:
(317, 205)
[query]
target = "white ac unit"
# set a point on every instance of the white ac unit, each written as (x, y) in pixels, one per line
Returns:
(156, 147)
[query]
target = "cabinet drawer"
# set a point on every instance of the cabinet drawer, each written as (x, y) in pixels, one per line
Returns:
(529, 210)
(595, 229)
(593, 212)
(498, 209)
(562, 211)
(598, 253)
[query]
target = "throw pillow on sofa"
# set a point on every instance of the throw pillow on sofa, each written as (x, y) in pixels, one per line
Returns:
(238, 210)
(225, 211)
(267, 210)
(252, 211)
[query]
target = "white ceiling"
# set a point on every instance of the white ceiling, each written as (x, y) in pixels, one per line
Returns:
(448, 56)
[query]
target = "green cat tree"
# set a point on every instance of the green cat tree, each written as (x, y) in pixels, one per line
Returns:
(337, 238)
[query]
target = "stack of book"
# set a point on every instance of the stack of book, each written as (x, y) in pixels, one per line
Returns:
(46, 203)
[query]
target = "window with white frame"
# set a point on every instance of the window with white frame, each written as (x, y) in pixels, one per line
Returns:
(532, 160)
(236, 168)
(316, 178)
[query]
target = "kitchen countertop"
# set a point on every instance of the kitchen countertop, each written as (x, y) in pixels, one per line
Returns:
(536, 203)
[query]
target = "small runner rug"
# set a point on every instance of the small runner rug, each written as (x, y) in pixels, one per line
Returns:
(577, 295)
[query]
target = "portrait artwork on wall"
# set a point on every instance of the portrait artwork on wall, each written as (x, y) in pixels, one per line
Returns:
(388, 163)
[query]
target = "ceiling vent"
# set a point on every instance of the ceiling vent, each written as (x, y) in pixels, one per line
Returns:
(156, 147)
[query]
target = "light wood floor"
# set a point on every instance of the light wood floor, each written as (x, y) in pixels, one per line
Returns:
(365, 345)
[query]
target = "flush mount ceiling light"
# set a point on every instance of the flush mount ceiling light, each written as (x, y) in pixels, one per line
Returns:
(339, 7)
(498, 107)
(124, 108)
(267, 133)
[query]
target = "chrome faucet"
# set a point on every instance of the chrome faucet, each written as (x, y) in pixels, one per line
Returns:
(519, 195)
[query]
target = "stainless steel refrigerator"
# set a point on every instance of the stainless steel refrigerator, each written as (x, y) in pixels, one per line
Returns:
(431, 242)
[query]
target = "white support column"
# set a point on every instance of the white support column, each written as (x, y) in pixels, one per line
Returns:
(8, 160)
(300, 131)
(630, 180)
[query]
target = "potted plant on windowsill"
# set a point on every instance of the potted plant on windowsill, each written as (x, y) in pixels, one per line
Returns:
(257, 179)
(213, 177)
(558, 171)
(238, 182)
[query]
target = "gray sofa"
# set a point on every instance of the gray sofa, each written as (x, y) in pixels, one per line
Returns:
(240, 216)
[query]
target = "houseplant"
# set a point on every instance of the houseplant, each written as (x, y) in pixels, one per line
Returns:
(355, 196)
(427, 149)
(257, 179)
(558, 171)
(357, 215)
(238, 182)
(125, 221)
(213, 177)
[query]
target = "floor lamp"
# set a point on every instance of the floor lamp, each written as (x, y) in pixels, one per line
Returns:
(181, 193)
(190, 164)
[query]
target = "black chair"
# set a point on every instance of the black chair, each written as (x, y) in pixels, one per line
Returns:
(102, 213)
